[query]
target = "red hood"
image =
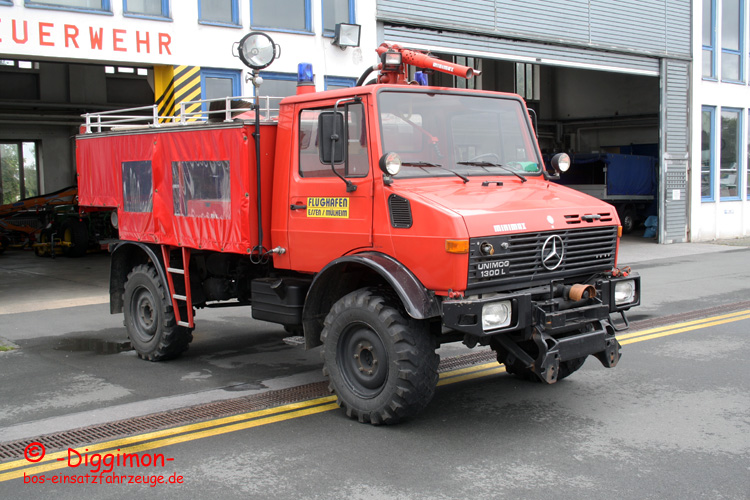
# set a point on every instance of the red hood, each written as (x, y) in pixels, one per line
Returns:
(514, 207)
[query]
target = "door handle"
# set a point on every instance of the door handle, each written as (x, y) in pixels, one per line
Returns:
(298, 207)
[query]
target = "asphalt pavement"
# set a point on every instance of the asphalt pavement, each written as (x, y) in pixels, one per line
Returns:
(71, 365)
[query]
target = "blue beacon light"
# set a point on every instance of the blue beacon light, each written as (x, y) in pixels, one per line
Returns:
(305, 79)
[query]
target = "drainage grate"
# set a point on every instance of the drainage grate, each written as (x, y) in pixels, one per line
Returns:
(194, 414)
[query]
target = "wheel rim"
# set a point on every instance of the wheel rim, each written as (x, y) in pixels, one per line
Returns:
(144, 313)
(362, 360)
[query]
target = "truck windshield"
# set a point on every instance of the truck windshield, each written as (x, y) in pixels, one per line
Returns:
(471, 135)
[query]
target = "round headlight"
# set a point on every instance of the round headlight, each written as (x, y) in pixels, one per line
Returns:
(390, 163)
(561, 162)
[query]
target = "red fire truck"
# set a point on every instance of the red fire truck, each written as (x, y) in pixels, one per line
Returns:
(380, 221)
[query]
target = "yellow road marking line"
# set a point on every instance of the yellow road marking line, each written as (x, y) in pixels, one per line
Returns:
(682, 330)
(177, 430)
(177, 439)
(496, 368)
(473, 368)
(267, 416)
(681, 325)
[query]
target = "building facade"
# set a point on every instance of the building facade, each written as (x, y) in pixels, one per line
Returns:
(666, 79)
(62, 58)
(720, 149)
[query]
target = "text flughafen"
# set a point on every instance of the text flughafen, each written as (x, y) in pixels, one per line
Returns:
(72, 36)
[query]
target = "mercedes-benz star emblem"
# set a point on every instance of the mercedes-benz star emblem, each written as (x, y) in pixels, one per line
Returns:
(553, 252)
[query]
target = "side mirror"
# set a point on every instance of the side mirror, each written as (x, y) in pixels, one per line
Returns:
(331, 137)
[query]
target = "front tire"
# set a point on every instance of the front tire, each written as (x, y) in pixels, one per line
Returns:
(380, 363)
(149, 317)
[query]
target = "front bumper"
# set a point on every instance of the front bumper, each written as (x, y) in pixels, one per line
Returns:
(543, 307)
(546, 327)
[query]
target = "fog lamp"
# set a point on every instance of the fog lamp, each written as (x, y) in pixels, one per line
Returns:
(496, 315)
(624, 292)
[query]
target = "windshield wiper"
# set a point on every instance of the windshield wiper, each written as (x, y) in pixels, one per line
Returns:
(428, 164)
(490, 164)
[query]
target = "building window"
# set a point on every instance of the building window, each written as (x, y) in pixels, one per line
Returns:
(283, 15)
(709, 39)
(707, 153)
(278, 84)
(218, 83)
(20, 172)
(88, 5)
(338, 82)
(732, 28)
(224, 12)
(6, 2)
(336, 11)
(527, 81)
(729, 156)
(146, 8)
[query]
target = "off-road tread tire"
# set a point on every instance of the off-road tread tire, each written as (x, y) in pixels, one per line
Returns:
(173, 339)
(79, 237)
(412, 373)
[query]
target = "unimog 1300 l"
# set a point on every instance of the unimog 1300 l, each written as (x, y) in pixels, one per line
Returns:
(380, 221)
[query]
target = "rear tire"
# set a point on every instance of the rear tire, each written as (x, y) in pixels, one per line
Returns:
(75, 232)
(150, 319)
(627, 220)
(44, 237)
(380, 363)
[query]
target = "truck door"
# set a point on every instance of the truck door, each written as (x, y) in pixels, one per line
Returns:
(326, 219)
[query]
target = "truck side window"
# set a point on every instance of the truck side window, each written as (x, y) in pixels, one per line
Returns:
(357, 162)
(137, 184)
(201, 189)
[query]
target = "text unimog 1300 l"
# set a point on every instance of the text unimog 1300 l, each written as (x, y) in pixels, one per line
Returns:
(381, 221)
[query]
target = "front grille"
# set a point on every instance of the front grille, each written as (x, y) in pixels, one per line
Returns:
(517, 258)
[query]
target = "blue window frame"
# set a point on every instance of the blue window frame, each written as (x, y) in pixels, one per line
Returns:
(148, 9)
(92, 6)
(6, 2)
(730, 158)
(708, 121)
(709, 39)
(732, 40)
(338, 82)
(278, 84)
(336, 11)
(219, 12)
(293, 16)
(218, 83)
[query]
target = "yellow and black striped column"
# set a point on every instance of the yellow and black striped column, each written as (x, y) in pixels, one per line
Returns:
(174, 84)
